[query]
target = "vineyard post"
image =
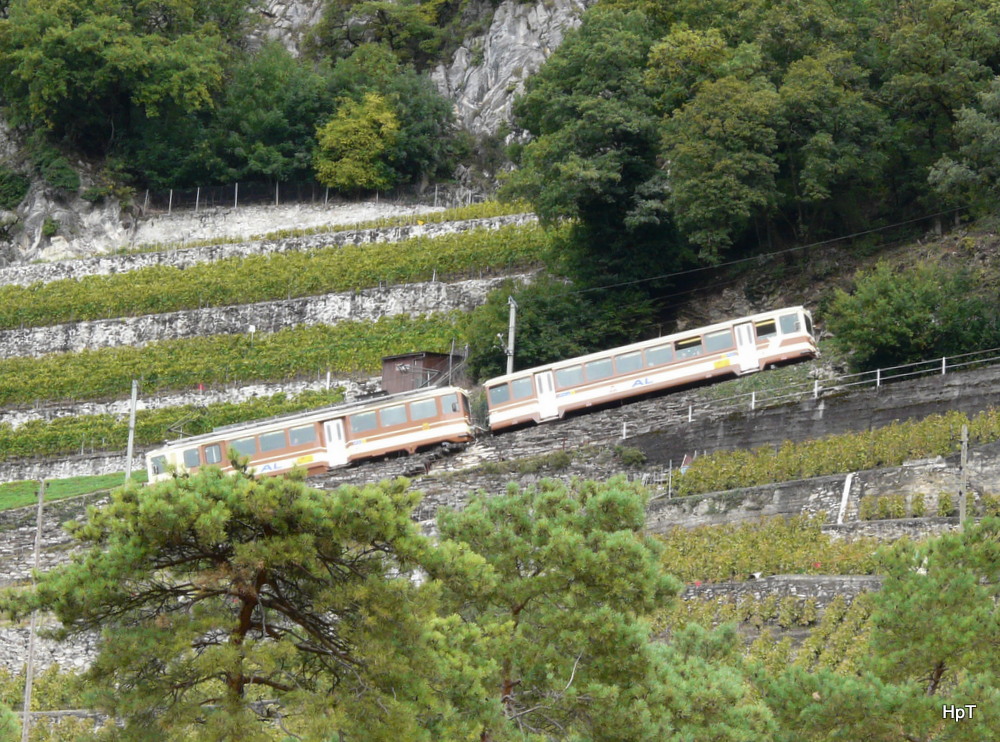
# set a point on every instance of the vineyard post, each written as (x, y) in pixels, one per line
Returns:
(510, 334)
(131, 431)
(30, 671)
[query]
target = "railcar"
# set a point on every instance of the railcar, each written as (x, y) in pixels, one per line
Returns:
(737, 347)
(318, 440)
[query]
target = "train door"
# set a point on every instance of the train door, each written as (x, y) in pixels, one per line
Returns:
(746, 347)
(336, 444)
(546, 389)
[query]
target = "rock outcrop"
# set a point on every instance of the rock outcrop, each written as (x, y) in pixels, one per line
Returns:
(488, 71)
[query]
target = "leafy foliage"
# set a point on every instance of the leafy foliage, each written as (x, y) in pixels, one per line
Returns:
(554, 321)
(214, 591)
(354, 146)
(176, 364)
(725, 127)
(923, 312)
(80, 71)
(769, 546)
(566, 578)
(10, 729)
(268, 277)
(13, 188)
(935, 435)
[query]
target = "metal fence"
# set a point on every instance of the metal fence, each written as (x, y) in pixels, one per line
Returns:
(235, 195)
(818, 388)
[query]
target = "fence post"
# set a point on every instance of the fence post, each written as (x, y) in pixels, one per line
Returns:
(236, 196)
(170, 202)
(878, 378)
(197, 199)
(815, 388)
(944, 361)
(326, 196)
(690, 412)
(275, 193)
(753, 401)
(145, 203)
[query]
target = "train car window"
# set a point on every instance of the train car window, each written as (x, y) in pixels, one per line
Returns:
(499, 394)
(213, 454)
(363, 422)
(273, 441)
(688, 348)
(599, 369)
(244, 446)
(628, 362)
(159, 464)
(809, 325)
(302, 435)
(423, 409)
(659, 356)
(716, 341)
(789, 324)
(449, 404)
(521, 388)
(395, 415)
(567, 377)
(766, 329)
(192, 458)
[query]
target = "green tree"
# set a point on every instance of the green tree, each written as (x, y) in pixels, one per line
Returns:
(214, 592)
(81, 71)
(832, 137)
(897, 316)
(594, 154)
(554, 321)
(972, 176)
(355, 146)
(721, 149)
(934, 625)
(262, 126)
(569, 576)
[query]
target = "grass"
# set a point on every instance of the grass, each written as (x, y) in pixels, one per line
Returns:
(25, 493)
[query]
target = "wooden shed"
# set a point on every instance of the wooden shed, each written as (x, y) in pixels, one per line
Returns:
(411, 371)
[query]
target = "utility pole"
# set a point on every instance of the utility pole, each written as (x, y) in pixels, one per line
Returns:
(30, 672)
(131, 431)
(963, 477)
(510, 334)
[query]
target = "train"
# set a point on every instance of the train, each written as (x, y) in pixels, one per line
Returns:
(736, 347)
(326, 438)
(339, 435)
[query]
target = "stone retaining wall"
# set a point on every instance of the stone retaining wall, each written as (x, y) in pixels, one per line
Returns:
(821, 588)
(271, 316)
(25, 275)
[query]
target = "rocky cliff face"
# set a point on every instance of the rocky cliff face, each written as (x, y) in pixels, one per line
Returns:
(488, 71)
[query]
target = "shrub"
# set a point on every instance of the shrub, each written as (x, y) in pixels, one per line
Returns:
(13, 188)
(946, 507)
(50, 227)
(630, 456)
(918, 508)
(990, 505)
(868, 508)
(900, 316)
